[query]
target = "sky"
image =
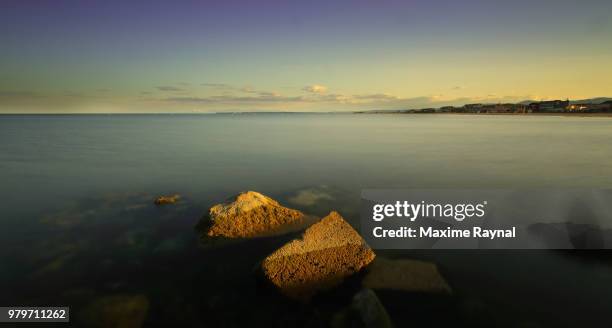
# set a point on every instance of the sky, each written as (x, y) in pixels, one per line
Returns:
(86, 56)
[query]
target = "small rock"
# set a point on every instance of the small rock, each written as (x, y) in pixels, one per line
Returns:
(366, 310)
(123, 311)
(249, 214)
(405, 275)
(166, 200)
(327, 252)
(371, 310)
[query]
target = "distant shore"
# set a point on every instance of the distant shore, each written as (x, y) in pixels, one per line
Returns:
(498, 114)
(310, 113)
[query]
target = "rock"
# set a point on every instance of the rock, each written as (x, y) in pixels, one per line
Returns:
(166, 200)
(371, 310)
(365, 310)
(249, 214)
(327, 252)
(405, 275)
(121, 311)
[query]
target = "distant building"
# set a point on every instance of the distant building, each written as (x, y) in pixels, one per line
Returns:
(488, 108)
(520, 108)
(604, 107)
(446, 109)
(549, 106)
(497, 108)
(578, 107)
(472, 108)
(503, 108)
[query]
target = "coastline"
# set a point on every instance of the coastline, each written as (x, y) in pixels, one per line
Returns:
(499, 114)
(567, 114)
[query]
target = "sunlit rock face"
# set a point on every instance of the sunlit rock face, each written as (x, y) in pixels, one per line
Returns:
(327, 252)
(249, 214)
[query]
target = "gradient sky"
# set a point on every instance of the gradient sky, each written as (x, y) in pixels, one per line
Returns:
(208, 56)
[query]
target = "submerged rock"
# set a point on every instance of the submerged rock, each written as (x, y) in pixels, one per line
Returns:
(327, 252)
(124, 311)
(405, 275)
(366, 311)
(371, 310)
(249, 214)
(166, 200)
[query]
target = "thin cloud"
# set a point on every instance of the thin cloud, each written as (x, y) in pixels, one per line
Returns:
(235, 99)
(317, 94)
(19, 94)
(330, 98)
(170, 88)
(247, 90)
(268, 94)
(215, 85)
(376, 96)
(315, 88)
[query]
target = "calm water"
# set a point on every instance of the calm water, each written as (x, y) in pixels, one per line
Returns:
(78, 223)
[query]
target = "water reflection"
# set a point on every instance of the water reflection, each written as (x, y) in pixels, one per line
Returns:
(77, 228)
(122, 258)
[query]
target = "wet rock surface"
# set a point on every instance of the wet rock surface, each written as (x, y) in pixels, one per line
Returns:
(250, 214)
(366, 310)
(327, 253)
(405, 275)
(119, 311)
(167, 200)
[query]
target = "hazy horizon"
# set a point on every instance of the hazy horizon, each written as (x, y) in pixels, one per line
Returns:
(229, 56)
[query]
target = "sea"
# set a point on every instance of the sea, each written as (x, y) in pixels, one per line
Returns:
(78, 226)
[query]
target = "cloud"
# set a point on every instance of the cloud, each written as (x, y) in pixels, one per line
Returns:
(376, 96)
(330, 98)
(248, 90)
(18, 94)
(215, 85)
(315, 88)
(317, 97)
(268, 94)
(236, 99)
(74, 94)
(169, 88)
(310, 197)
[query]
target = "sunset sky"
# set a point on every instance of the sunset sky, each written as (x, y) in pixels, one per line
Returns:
(212, 56)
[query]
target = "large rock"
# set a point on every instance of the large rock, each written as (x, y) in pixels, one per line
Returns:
(327, 252)
(249, 214)
(405, 275)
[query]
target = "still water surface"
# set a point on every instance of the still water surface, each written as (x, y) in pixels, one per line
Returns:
(78, 222)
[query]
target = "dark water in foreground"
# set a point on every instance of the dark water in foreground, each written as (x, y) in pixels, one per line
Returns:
(78, 226)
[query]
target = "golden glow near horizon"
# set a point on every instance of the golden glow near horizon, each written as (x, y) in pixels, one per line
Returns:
(299, 57)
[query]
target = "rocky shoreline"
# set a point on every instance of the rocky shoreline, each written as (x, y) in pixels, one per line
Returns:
(328, 253)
